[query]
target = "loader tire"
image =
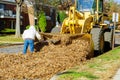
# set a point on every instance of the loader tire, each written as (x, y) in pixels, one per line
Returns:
(108, 39)
(98, 39)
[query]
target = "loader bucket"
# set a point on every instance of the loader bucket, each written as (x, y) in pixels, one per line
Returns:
(77, 42)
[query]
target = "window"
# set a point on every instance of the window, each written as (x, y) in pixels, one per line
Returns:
(2, 9)
(10, 0)
(2, 6)
(88, 5)
(84, 5)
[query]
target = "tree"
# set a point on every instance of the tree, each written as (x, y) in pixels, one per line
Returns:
(110, 7)
(18, 8)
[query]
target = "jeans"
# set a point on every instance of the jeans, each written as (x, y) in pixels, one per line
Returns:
(28, 42)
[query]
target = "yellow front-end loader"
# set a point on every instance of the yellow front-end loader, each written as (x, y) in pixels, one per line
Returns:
(87, 17)
(86, 22)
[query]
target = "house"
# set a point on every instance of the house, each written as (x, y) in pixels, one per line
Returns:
(8, 16)
(50, 13)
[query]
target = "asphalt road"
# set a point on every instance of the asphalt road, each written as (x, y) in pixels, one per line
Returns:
(117, 39)
(11, 49)
(18, 48)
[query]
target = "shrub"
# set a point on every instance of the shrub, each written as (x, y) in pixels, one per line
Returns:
(27, 27)
(42, 21)
(36, 27)
(62, 15)
(7, 30)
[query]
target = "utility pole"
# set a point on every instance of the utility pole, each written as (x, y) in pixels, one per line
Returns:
(30, 9)
(114, 19)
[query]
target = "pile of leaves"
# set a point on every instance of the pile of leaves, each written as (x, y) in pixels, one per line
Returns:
(49, 60)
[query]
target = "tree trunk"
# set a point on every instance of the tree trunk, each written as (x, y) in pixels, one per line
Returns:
(17, 33)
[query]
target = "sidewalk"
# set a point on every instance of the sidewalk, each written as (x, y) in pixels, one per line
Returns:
(117, 75)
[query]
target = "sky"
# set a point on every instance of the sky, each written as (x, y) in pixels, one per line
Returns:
(117, 1)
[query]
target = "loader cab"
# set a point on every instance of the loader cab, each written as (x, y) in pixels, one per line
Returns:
(89, 5)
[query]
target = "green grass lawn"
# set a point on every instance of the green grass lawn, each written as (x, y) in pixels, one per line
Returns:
(9, 39)
(102, 67)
